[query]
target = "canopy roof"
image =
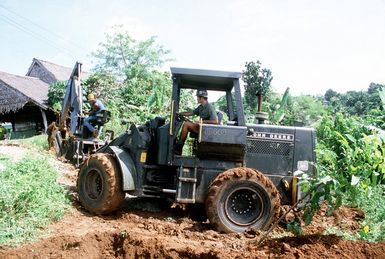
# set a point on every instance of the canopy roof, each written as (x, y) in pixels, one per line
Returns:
(208, 79)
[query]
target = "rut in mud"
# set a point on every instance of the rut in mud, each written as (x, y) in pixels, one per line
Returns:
(144, 230)
(171, 234)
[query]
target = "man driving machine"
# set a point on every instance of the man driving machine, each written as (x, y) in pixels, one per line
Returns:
(205, 111)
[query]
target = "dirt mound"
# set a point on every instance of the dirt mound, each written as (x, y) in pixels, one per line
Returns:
(319, 246)
(157, 231)
(171, 234)
(344, 218)
(160, 241)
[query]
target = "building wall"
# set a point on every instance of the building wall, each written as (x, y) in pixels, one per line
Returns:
(27, 121)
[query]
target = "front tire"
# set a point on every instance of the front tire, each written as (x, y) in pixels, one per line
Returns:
(242, 198)
(100, 184)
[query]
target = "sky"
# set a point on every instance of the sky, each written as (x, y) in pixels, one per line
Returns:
(309, 45)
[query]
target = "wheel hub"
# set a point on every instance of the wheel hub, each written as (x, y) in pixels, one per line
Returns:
(94, 185)
(244, 206)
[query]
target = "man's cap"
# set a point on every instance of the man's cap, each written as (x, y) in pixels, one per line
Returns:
(201, 93)
(90, 97)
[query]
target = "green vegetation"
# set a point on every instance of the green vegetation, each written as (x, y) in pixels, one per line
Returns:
(351, 170)
(38, 142)
(373, 226)
(126, 79)
(3, 131)
(257, 84)
(30, 197)
(355, 102)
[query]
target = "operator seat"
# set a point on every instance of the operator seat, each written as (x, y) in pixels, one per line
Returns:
(102, 118)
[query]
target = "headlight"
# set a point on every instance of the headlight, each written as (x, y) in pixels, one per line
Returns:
(303, 166)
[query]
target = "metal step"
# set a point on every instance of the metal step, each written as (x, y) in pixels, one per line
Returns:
(187, 180)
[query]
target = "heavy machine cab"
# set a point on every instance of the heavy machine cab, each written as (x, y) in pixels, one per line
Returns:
(241, 172)
(227, 82)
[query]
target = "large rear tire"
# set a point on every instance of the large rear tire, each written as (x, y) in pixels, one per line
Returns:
(100, 184)
(242, 198)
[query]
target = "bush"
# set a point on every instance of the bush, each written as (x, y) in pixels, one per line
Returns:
(30, 198)
(350, 168)
(373, 226)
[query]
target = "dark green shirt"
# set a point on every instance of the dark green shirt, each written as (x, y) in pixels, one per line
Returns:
(206, 112)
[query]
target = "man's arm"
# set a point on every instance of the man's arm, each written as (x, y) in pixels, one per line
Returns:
(185, 113)
(95, 107)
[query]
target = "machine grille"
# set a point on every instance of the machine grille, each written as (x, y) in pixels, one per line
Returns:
(277, 148)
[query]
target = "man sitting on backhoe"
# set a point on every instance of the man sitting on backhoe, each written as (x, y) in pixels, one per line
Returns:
(96, 107)
(205, 111)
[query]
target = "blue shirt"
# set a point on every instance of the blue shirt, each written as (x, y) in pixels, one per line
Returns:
(100, 105)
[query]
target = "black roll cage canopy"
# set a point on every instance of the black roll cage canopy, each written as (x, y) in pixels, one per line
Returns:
(188, 78)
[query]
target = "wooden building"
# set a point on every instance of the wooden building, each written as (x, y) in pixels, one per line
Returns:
(23, 99)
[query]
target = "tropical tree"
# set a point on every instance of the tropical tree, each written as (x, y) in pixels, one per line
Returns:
(257, 83)
(56, 92)
(103, 85)
(277, 114)
(304, 110)
(355, 102)
(127, 58)
(143, 91)
(330, 93)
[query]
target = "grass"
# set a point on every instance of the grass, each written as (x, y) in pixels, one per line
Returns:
(373, 225)
(38, 142)
(30, 197)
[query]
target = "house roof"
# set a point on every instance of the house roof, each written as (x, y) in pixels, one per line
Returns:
(60, 73)
(18, 90)
(56, 72)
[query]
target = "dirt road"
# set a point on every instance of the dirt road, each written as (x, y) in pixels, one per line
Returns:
(162, 232)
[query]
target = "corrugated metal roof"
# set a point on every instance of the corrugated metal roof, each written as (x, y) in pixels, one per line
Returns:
(35, 89)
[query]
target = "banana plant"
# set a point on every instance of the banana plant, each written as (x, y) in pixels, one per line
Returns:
(278, 114)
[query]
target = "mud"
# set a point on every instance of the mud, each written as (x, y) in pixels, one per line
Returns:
(162, 232)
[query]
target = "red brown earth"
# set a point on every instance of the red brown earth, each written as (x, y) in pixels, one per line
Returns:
(162, 232)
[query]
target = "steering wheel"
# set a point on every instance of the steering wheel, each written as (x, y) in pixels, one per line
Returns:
(180, 118)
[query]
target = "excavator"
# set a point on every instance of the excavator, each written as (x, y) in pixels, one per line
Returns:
(68, 137)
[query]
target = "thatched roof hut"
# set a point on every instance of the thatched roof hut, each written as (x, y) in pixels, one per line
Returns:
(50, 72)
(23, 99)
(16, 91)
(23, 103)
